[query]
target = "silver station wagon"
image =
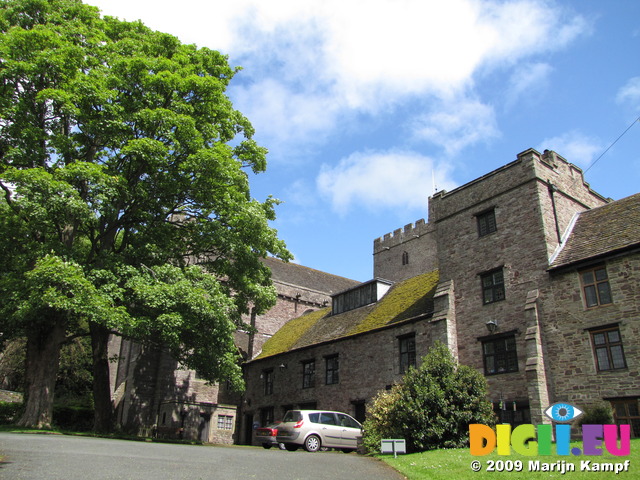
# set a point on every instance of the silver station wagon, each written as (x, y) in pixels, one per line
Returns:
(315, 429)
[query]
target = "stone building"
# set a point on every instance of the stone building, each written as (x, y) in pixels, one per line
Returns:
(526, 274)
(153, 395)
(592, 330)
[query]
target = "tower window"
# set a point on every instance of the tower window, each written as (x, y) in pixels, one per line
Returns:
(486, 222)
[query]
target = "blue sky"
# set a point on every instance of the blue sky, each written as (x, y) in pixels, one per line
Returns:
(366, 105)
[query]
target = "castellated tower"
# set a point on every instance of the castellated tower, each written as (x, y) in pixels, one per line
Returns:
(536, 195)
(406, 252)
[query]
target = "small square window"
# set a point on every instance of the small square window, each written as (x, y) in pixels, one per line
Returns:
(500, 355)
(607, 348)
(225, 422)
(486, 222)
(595, 286)
(492, 286)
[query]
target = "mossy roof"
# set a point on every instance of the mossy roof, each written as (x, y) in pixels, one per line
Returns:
(404, 301)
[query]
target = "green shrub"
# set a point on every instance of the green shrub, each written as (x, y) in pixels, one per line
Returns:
(378, 424)
(600, 414)
(74, 418)
(9, 412)
(432, 407)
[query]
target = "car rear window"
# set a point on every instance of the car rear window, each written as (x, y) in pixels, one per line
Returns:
(292, 416)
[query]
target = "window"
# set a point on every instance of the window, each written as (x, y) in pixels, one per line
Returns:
(486, 222)
(500, 355)
(225, 422)
(332, 370)
(492, 286)
(407, 352)
(625, 412)
(308, 373)
(607, 348)
(328, 418)
(359, 296)
(405, 258)
(267, 376)
(347, 421)
(595, 286)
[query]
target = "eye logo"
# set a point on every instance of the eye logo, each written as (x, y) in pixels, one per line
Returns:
(563, 412)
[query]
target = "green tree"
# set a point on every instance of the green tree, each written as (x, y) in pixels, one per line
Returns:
(432, 407)
(126, 207)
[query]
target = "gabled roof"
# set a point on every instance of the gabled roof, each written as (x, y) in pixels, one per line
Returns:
(294, 274)
(605, 230)
(408, 300)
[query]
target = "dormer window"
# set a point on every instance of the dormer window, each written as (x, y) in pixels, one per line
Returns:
(364, 294)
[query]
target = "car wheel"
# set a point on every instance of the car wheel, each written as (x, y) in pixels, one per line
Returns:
(312, 443)
(266, 445)
(290, 447)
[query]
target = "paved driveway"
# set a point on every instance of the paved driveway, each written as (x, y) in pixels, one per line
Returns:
(56, 457)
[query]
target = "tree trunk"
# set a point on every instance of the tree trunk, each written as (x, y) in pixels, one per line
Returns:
(101, 387)
(41, 371)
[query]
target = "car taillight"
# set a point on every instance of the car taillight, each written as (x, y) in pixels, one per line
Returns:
(299, 424)
(274, 432)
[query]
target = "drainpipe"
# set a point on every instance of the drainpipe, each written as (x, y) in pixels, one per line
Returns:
(552, 189)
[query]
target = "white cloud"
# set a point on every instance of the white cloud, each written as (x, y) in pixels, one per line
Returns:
(309, 64)
(629, 94)
(576, 147)
(525, 27)
(343, 56)
(289, 120)
(456, 125)
(383, 180)
(527, 85)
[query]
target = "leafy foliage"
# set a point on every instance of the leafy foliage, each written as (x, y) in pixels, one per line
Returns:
(123, 164)
(432, 407)
(9, 412)
(600, 414)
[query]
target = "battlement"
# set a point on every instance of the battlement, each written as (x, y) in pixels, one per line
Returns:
(401, 235)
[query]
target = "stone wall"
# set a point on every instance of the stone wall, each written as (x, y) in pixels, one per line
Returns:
(569, 353)
(368, 363)
(535, 199)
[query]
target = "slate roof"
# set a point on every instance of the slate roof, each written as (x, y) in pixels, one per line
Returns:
(601, 231)
(294, 274)
(405, 301)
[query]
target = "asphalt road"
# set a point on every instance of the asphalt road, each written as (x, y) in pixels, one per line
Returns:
(57, 457)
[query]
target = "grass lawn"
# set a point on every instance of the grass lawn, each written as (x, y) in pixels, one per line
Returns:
(456, 465)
